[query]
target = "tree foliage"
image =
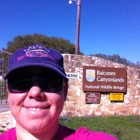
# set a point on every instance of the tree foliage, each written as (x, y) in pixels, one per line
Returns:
(60, 44)
(118, 59)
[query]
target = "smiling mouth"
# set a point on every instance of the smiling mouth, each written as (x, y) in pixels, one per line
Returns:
(38, 108)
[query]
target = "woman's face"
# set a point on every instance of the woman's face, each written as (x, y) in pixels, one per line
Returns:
(38, 108)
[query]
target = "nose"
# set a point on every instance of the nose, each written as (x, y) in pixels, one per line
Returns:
(36, 92)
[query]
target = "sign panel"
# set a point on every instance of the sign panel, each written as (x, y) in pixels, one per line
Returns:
(92, 97)
(116, 97)
(71, 75)
(104, 79)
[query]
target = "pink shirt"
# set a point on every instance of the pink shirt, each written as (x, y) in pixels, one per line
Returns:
(65, 133)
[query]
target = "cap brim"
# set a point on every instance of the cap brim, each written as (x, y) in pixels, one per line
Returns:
(48, 66)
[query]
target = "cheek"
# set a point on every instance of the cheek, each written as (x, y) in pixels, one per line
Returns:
(16, 99)
(15, 104)
(57, 101)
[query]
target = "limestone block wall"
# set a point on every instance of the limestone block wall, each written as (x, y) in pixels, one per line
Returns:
(75, 104)
(6, 121)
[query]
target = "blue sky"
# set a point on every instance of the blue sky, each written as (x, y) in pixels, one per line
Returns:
(107, 26)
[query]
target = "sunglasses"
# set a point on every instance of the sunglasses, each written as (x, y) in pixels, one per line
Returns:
(24, 83)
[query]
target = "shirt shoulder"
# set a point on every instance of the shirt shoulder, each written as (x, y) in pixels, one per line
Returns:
(84, 133)
(8, 135)
(65, 133)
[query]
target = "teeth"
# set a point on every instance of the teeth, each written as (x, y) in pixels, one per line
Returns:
(35, 109)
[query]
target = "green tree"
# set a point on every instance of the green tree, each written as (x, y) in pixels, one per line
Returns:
(118, 59)
(60, 44)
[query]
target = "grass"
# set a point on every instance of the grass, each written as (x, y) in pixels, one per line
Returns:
(122, 127)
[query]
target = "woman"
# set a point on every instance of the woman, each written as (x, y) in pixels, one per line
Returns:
(37, 89)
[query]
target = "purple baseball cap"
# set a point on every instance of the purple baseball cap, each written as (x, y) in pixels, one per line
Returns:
(37, 55)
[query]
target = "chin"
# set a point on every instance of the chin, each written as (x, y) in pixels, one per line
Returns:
(35, 129)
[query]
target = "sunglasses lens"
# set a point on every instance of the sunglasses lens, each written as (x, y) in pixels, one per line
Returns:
(51, 85)
(46, 84)
(19, 86)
